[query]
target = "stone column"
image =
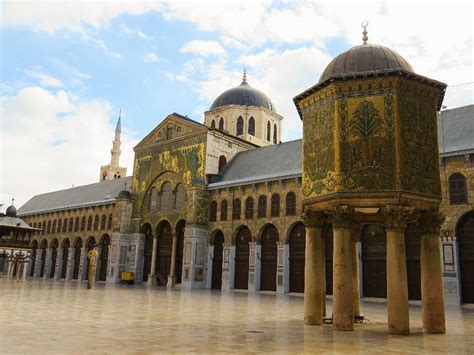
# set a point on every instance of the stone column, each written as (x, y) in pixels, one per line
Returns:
(172, 276)
(70, 263)
(343, 291)
(82, 265)
(228, 266)
(355, 271)
(25, 271)
(59, 264)
(432, 293)
(397, 285)
(152, 275)
(10, 270)
(314, 277)
(39, 256)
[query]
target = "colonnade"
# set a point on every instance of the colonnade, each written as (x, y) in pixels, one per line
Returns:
(152, 276)
(346, 294)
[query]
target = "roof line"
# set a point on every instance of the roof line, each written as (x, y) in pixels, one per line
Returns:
(237, 182)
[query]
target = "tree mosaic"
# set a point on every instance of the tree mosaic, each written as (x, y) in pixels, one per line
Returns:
(318, 150)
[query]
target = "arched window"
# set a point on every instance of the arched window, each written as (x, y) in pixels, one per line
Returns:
(166, 197)
(224, 210)
(457, 189)
(48, 229)
(109, 224)
(40, 226)
(262, 206)
(240, 126)
(76, 225)
(213, 124)
(89, 223)
(103, 222)
(180, 196)
(275, 210)
(60, 224)
(236, 209)
(251, 129)
(152, 201)
(65, 225)
(169, 131)
(96, 222)
(290, 204)
(222, 162)
(213, 211)
(83, 224)
(268, 131)
(249, 208)
(221, 124)
(53, 230)
(71, 224)
(275, 136)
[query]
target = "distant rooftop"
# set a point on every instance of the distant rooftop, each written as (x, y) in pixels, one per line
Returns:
(456, 131)
(261, 164)
(80, 196)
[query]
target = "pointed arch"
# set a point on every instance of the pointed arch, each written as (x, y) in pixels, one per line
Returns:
(275, 135)
(221, 124)
(213, 124)
(251, 129)
(240, 126)
(269, 128)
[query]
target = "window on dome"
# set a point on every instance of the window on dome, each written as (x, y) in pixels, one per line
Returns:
(221, 124)
(268, 131)
(213, 124)
(240, 126)
(252, 126)
(275, 134)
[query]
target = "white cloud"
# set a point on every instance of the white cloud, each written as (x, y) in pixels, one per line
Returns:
(63, 142)
(72, 15)
(153, 58)
(204, 48)
(43, 78)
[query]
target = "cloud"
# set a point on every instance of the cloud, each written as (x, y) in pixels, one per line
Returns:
(153, 58)
(43, 78)
(64, 142)
(73, 15)
(134, 32)
(204, 48)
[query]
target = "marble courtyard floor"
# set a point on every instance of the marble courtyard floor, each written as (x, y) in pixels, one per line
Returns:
(57, 317)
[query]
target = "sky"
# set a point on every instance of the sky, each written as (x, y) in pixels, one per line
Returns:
(68, 68)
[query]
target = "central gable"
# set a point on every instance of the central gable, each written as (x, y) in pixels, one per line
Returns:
(174, 126)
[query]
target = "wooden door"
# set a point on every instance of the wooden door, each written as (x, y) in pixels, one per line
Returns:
(217, 261)
(165, 244)
(65, 259)
(268, 259)
(104, 258)
(242, 252)
(297, 258)
(465, 237)
(412, 247)
(374, 261)
(328, 245)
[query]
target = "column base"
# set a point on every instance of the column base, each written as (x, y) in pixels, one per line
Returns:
(151, 280)
(396, 331)
(171, 281)
(312, 321)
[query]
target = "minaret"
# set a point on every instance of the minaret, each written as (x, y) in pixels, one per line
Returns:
(113, 170)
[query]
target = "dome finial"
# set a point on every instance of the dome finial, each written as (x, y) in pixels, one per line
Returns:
(244, 77)
(364, 24)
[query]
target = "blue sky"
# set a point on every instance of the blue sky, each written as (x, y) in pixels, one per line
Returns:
(67, 67)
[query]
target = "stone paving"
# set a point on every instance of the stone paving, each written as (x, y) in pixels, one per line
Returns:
(57, 317)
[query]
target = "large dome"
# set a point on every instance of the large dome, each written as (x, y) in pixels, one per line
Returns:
(244, 95)
(365, 59)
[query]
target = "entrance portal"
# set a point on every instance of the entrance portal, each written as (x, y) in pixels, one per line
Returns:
(269, 259)
(242, 251)
(217, 261)
(165, 244)
(465, 238)
(297, 257)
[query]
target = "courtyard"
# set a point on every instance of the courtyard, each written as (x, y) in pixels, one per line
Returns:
(58, 317)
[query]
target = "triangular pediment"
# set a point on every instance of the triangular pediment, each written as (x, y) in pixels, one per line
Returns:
(172, 127)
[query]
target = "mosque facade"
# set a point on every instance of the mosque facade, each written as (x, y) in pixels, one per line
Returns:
(220, 204)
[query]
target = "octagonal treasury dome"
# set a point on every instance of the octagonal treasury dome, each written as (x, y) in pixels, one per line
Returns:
(365, 59)
(243, 95)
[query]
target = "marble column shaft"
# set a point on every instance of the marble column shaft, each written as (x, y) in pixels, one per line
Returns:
(355, 277)
(432, 293)
(172, 275)
(70, 263)
(152, 276)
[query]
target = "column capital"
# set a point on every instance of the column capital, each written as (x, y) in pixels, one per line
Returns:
(342, 217)
(396, 217)
(430, 222)
(315, 219)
